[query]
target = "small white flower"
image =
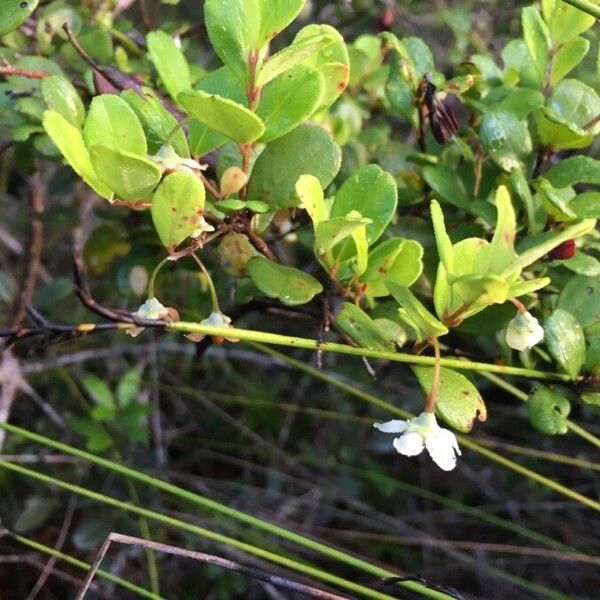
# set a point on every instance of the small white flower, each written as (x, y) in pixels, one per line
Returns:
(524, 332)
(152, 310)
(424, 432)
(169, 160)
(203, 227)
(215, 319)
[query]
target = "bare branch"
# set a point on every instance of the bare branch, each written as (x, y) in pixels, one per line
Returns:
(272, 579)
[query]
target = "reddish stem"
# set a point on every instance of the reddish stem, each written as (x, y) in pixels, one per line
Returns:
(435, 384)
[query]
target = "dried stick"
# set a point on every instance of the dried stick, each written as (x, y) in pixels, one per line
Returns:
(275, 580)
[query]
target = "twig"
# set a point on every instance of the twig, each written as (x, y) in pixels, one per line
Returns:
(275, 580)
(12, 380)
(36, 239)
(11, 71)
(62, 537)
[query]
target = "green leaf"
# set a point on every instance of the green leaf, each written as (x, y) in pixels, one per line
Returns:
(399, 91)
(563, 123)
(69, 141)
(371, 192)
(96, 436)
(308, 150)
(157, 122)
(502, 249)
(177, 206)
(550, 242)
(223, 115)
(237, 27)
(555, 202)
(415, 315)
(397, 260)
(233, 28)
(291, 286)
(568, 57)
(310, 194)
(476, 292)
(548, 411)
(293, 55)
(557, 133)
(129, 387)
(458, 401)
(576, 102)
(591, 398)
(446, 182)
(442, 239)
(130, 177)
(275, 16)
(565, 341)
(421, 57)
(331, 232)
(567, 22)
(581, 298)
(582, 264)
(522, 101)
(586, 205)
(112, 123)
(573, 170)
(360, 328)
(537, 38)
(170, 62)
(98, 390)
(506, 139)
(521, 187)
(221, 82)
(13, 14)
(61, 96)
(289, 100)
(332, 62)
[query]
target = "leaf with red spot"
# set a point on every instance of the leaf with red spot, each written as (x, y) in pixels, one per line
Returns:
(177, 207)
(459, 402)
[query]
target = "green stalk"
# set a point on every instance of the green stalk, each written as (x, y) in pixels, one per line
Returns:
(152, 282)
(581, 432)
(586, 6)
(83, 565)
(264, 337)
(223, 539)
(521, 395)
(198, 500)
(464, 440)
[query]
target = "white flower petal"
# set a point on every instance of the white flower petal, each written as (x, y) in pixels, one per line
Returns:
(443, 448)
(393, 426)
(409, 444)
(524, 332)
(152, 309)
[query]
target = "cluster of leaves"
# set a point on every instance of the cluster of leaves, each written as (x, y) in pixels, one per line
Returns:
(306, 128)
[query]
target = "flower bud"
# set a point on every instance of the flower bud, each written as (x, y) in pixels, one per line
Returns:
(232, 181)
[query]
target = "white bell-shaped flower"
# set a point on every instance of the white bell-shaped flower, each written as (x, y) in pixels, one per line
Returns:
(524, 332)
(169, 160)
(152, 310)
(424, 432)
(203, 227)
(216, 319)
